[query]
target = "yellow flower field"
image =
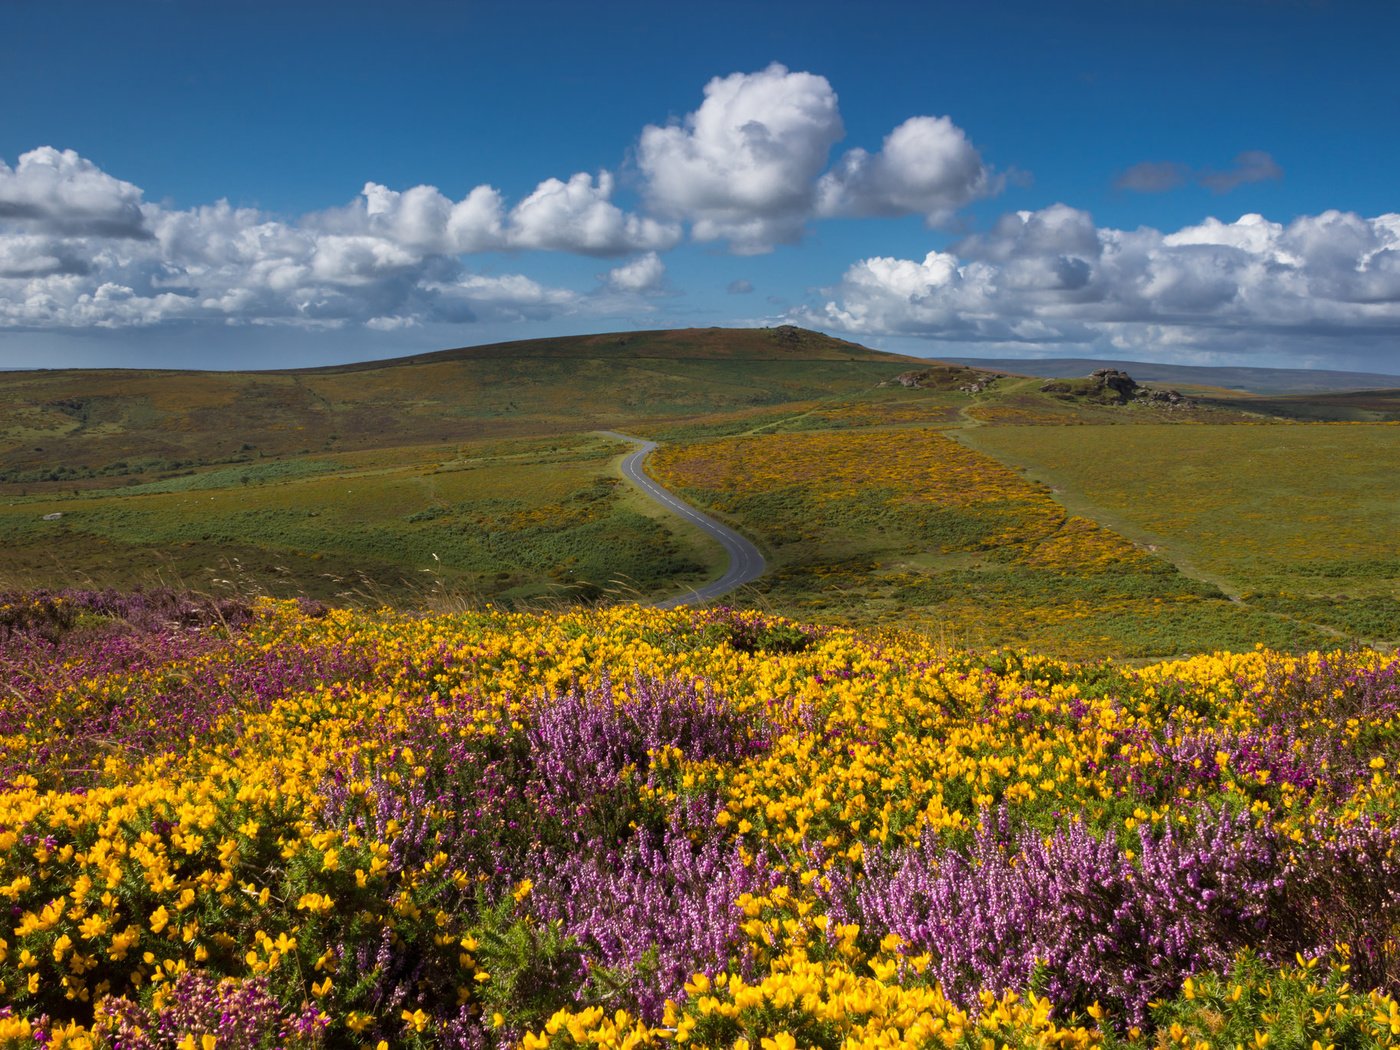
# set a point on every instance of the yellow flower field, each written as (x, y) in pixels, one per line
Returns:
(625, 826)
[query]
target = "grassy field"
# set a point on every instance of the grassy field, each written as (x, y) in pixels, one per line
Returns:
(907, 526)
(475, 473)
(66, 430)
(503, 520)
(1299, 519)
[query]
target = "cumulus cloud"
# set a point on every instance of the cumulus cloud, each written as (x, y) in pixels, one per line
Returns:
(749, 166)
(743, 167)
(80, 248)
(57, 191)
(425, 220)
(646, 273)
(1042, 280)
(739, 286)
(1159, 176)
(926, 167)
(578, 216)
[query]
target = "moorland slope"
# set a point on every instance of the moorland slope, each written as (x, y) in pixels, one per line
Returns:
(987, 508)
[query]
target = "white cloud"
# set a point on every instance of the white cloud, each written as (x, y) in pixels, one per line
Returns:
(927, 167)
(1040, 280)
(424, 219)
(510, 297)
(743, 167)
(646, 273)
(57, 191)
(80, 249)
(391, 324)
(578, 216)
(40, 255)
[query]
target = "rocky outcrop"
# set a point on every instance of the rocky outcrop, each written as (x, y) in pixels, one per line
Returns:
(1110, 386)
(966, 380)
(1112, 379)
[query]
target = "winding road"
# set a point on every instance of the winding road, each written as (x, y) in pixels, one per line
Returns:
(746, 564)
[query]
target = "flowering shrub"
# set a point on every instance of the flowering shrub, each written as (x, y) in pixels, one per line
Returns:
(911, 527)
(632, 826)
(1088, 920)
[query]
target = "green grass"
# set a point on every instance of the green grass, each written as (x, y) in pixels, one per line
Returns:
(1299, 520)
(901, 527)
(505, 521)
(477, 471)
(61, 430)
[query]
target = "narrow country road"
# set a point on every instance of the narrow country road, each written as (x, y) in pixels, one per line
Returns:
(746, 564)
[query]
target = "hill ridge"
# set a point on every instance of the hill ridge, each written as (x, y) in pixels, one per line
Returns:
(1248, 379)
(782, 343)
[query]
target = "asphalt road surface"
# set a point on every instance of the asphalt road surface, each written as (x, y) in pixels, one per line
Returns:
(746, 564)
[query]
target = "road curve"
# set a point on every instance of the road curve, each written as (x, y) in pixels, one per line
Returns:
(746, 564)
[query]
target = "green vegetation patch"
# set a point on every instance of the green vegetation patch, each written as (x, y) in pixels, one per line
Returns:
(232, 477)
(504, 520)
(907, 527)
(1264, 507)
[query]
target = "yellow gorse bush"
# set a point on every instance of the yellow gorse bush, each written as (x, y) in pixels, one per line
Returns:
(213, 856)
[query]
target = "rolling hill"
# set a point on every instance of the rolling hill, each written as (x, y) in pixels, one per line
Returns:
(98, 428)
(984, 507)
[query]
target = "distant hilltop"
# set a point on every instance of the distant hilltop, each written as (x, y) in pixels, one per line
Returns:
(1252, 380)
(100, 427)
(785, 342)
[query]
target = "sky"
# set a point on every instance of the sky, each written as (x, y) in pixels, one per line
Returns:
(250, 184)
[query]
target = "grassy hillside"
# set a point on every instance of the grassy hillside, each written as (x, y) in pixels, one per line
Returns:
(476, 473)
(504, 520)
(910, 527)
(1353, 406)
(1300, 520)
(88, 429)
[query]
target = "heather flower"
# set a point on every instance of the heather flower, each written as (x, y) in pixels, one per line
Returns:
(240, 1015)
(1075, 911)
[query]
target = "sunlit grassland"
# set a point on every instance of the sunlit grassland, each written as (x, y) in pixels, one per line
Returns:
(477, 471)
(907, 526)
(880, 406)
(100, 428)
(499, 520)
(1300, 519)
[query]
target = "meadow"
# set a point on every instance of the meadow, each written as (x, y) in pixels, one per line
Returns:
(909, 526)
(225, 825)
(941, 778)
(84, 429)
(1297, 519)
(473, 476)
(505, 520)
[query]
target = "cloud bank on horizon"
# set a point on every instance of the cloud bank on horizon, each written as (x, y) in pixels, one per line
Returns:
(749, 171)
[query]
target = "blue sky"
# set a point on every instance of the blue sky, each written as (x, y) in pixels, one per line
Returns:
(248, 184)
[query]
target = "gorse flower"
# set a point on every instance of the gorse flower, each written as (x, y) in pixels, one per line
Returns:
(627, 826)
